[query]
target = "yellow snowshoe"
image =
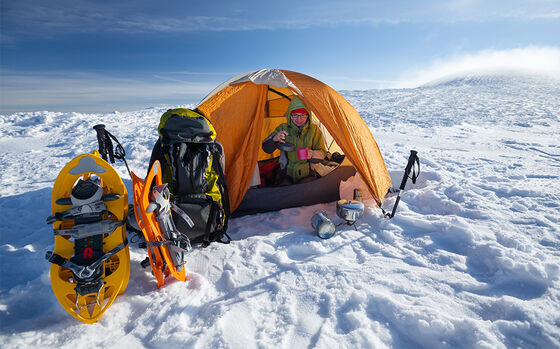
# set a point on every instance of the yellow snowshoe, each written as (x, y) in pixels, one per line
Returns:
(91, 260)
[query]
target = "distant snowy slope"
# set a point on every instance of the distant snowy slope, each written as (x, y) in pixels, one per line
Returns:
(499, 80)
(489, 99)
(471, 260)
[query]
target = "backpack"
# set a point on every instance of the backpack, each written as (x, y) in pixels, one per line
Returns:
(193, 166)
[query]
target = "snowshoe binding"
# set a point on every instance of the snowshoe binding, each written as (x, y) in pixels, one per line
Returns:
(91, 260)
(165, 244)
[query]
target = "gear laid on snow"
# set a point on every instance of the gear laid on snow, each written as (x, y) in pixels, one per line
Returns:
(165, 245)
(161, 207)
(192, 164)
(90, 264)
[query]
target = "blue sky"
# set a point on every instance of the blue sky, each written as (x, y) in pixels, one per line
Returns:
(99, 56)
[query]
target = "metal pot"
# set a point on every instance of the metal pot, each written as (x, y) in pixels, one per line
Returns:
(350, 210)
(285, 146)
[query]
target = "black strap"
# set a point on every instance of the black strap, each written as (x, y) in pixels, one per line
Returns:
(174, 151)
(212, 219)
(83, 272)
(223, 191)
(221, 182)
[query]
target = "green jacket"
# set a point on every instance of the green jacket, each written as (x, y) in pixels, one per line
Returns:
(309, 136)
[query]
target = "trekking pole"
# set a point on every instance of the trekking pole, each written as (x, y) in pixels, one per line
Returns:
(106, 146)
(412, 159)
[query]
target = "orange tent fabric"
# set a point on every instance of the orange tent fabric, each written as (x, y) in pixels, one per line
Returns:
(247, 108)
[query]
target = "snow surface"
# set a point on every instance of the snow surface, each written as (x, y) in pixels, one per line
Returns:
(471, 260)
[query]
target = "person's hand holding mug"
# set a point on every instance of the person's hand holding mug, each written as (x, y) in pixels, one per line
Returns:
(304, 153)
(309, 153)
(280, 137)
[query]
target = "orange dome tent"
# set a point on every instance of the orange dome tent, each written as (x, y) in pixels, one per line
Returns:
(247, 108)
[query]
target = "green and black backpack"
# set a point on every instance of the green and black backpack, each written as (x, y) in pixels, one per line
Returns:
(193, 166)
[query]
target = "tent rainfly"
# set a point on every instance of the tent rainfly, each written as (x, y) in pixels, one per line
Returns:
(247, 108)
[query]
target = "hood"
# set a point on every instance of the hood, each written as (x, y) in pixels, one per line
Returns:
(296, 103)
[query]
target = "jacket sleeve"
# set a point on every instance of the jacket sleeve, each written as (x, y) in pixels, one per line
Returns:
(268, 144)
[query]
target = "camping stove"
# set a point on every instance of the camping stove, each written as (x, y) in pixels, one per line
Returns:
(350, 210)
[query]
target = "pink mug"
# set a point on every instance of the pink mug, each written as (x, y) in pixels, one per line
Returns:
(302, 154)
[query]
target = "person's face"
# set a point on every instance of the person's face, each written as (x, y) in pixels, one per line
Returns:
(299, 119)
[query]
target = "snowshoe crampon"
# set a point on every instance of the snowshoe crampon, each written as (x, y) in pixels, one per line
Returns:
(91, 260)
(165, 245)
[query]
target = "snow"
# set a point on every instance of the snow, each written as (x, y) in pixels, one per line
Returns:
(471, 259)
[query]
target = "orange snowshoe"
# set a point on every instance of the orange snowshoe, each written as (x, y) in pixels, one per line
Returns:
(152, 208)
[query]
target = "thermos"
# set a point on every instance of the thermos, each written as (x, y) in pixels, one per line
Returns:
(322, 225)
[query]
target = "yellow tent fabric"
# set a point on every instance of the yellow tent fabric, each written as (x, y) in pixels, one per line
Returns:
(247, 108)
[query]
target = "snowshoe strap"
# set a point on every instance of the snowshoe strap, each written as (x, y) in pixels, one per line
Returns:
(183, 243)
(91, 210)
(81, 231)
(83, 272)
(146, 244)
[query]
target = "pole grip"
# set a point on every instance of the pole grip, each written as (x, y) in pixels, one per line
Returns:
(100, 129)
(411, 159)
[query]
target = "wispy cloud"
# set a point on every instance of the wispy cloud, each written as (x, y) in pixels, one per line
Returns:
(35, 17)
(91, 92)
(531, 60)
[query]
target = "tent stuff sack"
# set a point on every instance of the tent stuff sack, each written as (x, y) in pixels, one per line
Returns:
(193, 166)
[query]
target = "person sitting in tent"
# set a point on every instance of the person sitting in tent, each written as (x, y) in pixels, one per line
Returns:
(299, 131)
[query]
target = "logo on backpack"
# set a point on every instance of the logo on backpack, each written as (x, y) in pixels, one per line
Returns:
(193, 166)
